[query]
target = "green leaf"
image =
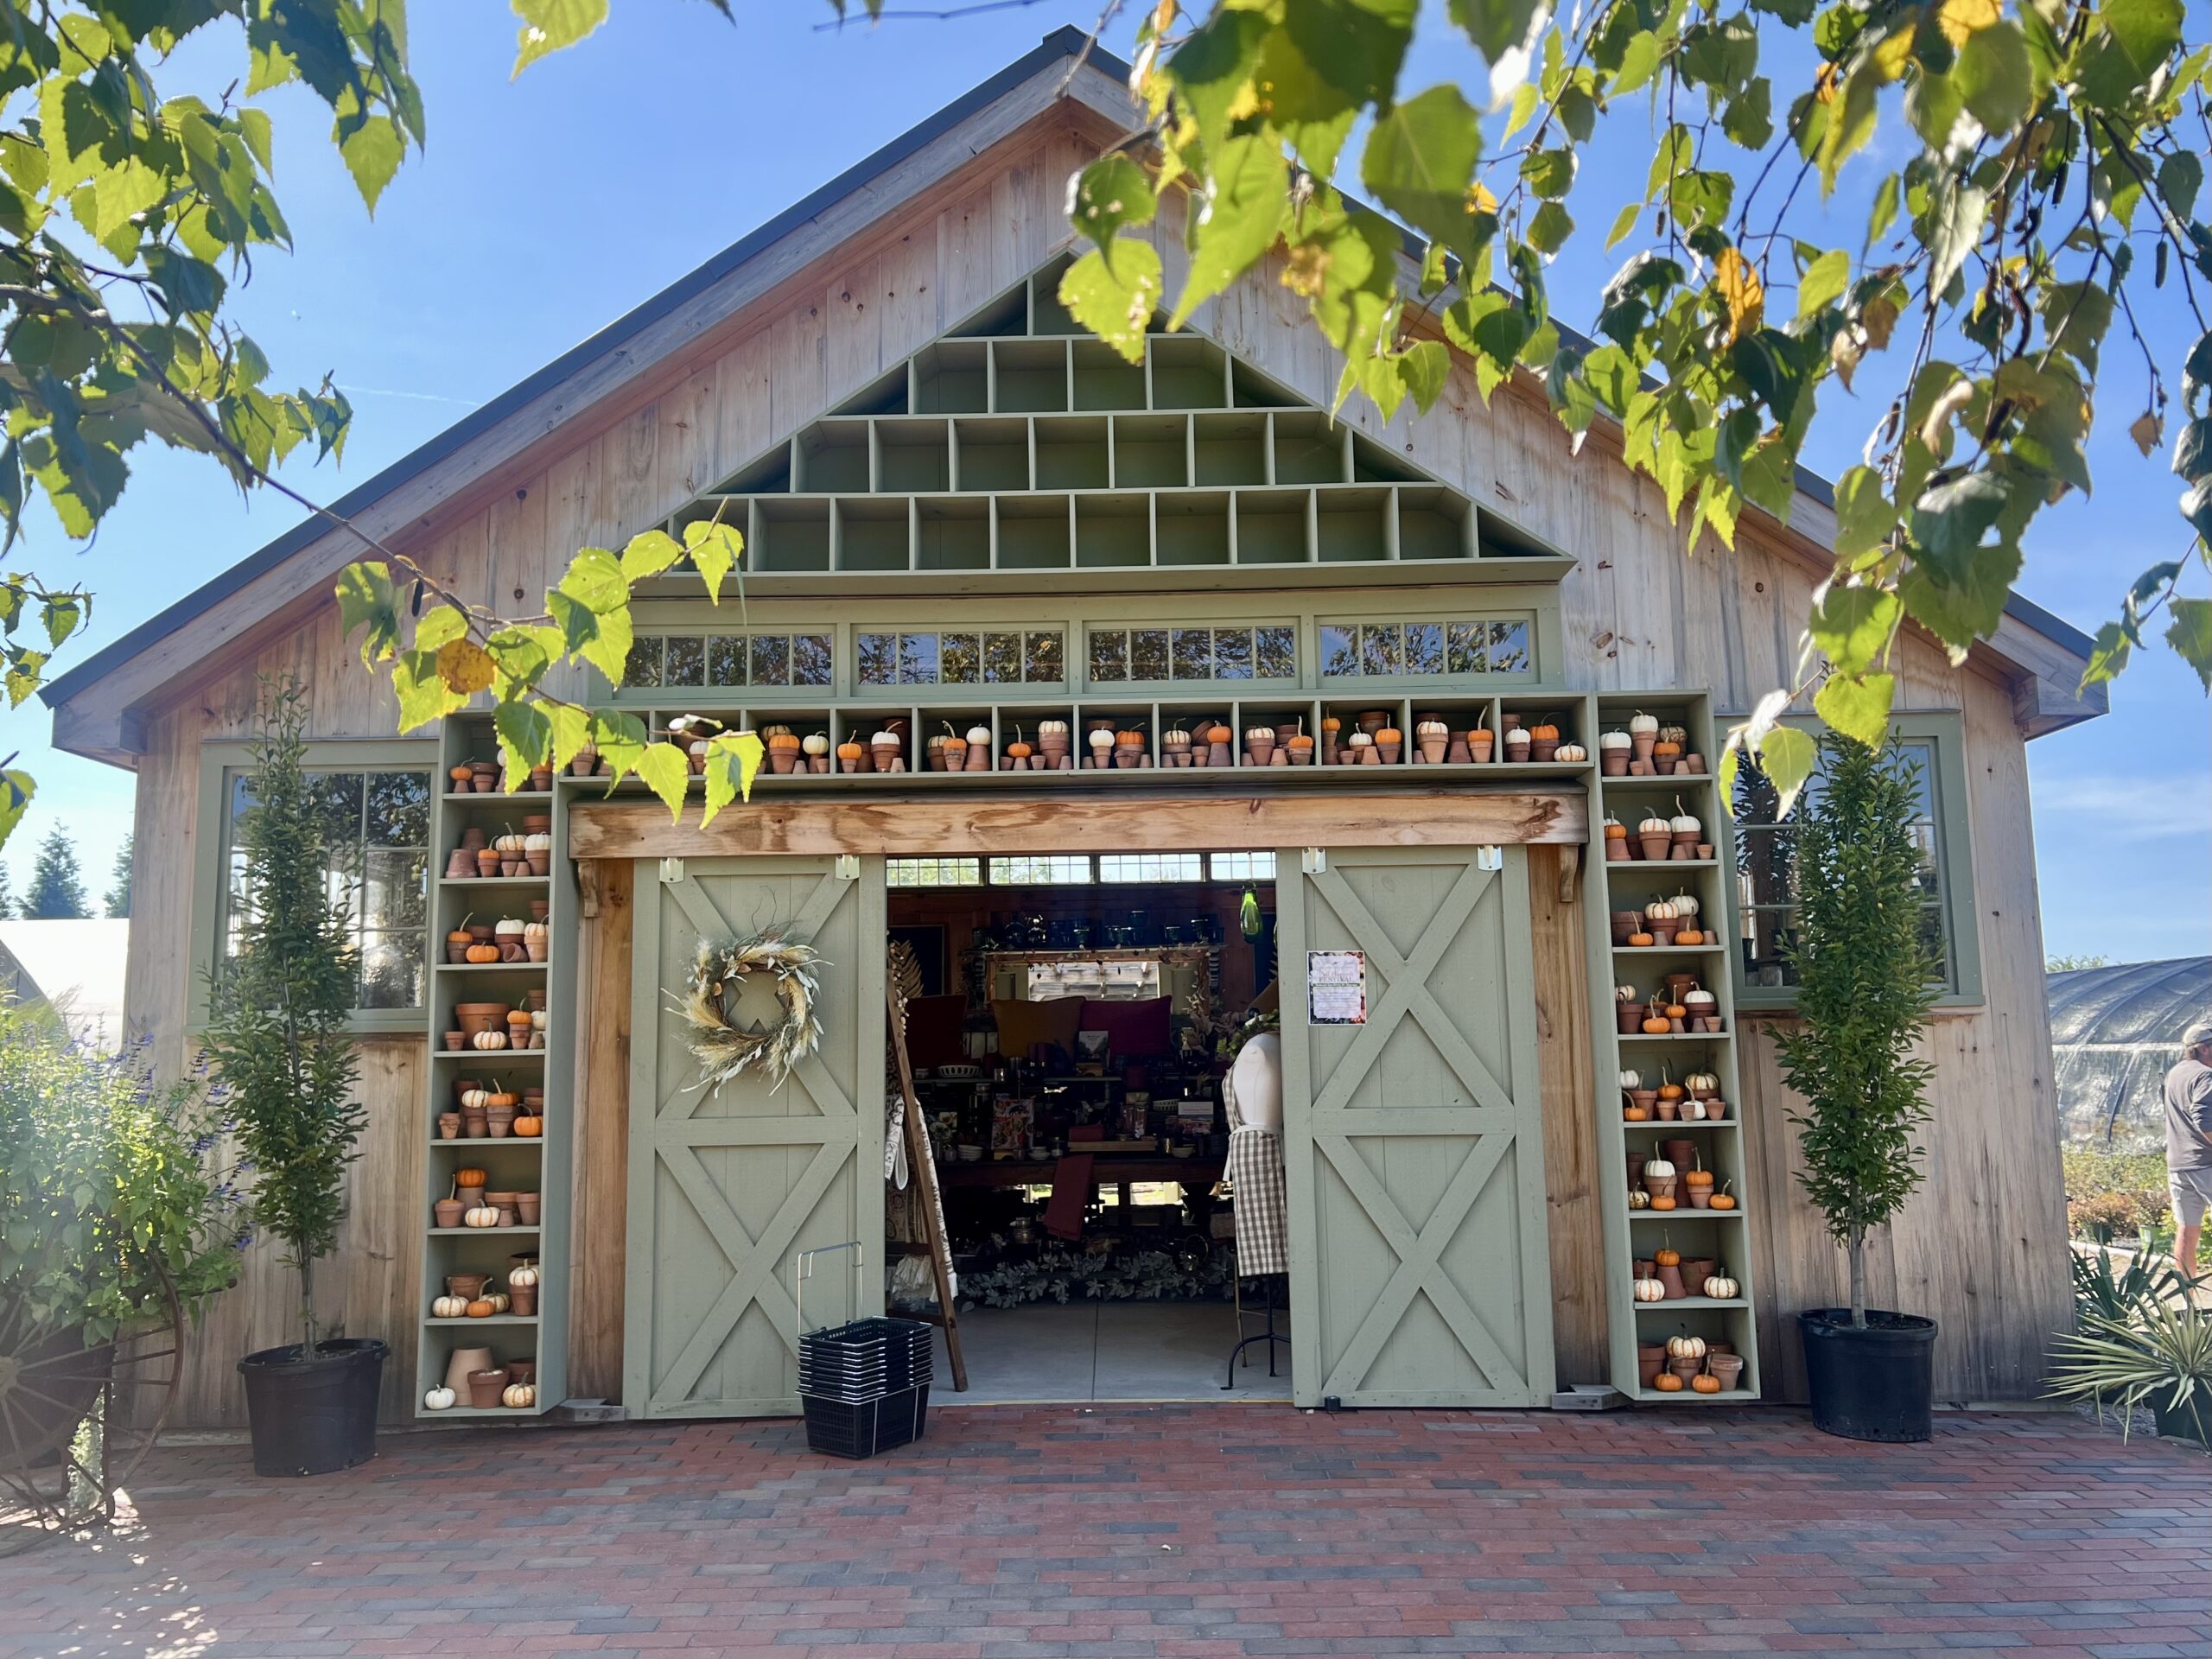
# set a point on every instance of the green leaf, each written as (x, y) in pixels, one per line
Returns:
(1421, 158)
(649, 553)
(1864, 516)
(2147, 30)
(2192, 635)
(440, 625)
(1550, 173)
(1824, 280)
(1749, 119)
(591, 607)
(1116, 302)
(1955, 222)
(733, 761)
(16, 789)
(1960, 609)
(1639, 63)
(62, 612)
(1113, 191)
(1994, 76)
(715, 548)
(1852, 626)
(1859, 708)
(1238, 221)
(371, 151)
(549, 25)
(2181, 176)
(525, 739)
(667, 773)
(1623, 222)
(1786, 756)
(1949, 521)
(424, 697)
(571, 729)
(2107, 657)
(1423, 367)
(1495, 26)
(1550, 227)
(369, 604)
(1214, 67)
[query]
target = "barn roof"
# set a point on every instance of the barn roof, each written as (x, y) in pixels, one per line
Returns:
(1067, 64)
(2114, 1032)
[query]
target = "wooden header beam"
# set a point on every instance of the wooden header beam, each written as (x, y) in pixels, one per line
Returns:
(1131, 822)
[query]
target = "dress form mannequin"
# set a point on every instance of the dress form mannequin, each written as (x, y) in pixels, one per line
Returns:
(1256, 1084)
(1252, 1090)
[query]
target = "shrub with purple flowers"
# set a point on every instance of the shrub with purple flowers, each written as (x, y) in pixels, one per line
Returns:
(111, 1177)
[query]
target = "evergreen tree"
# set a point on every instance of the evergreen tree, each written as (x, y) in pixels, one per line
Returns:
(7, 896)
(57, 890)
(119, 888)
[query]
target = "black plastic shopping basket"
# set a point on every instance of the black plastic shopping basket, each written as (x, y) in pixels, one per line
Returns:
(865, 1384)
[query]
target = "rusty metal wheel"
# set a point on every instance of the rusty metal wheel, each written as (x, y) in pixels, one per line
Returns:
(76, 1422)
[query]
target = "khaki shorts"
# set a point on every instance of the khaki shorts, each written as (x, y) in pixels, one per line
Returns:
(2192, 1190)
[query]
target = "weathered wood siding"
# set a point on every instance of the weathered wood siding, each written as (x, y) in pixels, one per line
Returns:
(1982, 1248)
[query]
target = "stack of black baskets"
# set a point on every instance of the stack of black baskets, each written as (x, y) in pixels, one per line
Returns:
(866, 1385)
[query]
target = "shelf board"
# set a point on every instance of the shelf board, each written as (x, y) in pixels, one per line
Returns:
(1684, 1213)
(1669, 950)
(506, 1141)
(494, 797)
(493, 880)
(1635, 865)
(1675, 1036)
(1678, 780)
(1739, 1395)
(484, 1056)
(489, 967)
(488, 1232)
(489, 1319)
(1671, 1124)
(1641, 1307)
(423, 1413)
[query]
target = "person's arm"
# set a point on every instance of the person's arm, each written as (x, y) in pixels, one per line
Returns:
(2200, 1107)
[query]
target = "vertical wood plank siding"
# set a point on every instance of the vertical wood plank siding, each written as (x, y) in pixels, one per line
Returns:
(1982, 1249)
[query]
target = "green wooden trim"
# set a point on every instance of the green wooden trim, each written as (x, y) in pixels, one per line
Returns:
(1944, 731)
(217, 760)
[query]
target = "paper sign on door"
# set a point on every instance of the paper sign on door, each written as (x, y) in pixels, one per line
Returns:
(1336, 987)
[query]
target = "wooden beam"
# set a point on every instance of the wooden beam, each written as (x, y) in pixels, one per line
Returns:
(1135, 823)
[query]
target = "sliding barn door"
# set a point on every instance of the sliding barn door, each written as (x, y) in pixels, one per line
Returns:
(1411, 1130)
(726, 1184)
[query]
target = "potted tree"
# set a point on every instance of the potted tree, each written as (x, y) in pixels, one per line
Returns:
(1865, 984)
(278, 1027)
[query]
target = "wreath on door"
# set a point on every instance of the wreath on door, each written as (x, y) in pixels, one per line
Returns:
(725, 1049)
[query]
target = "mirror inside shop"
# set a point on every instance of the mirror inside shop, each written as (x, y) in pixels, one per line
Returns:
(1092, 1043)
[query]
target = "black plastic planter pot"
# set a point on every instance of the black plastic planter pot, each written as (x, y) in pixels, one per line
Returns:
(314, 1416)
(2191, 1421)
(1874, 1383)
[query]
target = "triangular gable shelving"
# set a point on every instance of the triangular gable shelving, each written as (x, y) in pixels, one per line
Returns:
(1016, 442)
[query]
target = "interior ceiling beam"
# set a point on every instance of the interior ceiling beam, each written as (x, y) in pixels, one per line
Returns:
(911, 827)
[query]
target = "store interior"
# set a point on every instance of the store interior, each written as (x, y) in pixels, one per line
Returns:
(1075, 1053)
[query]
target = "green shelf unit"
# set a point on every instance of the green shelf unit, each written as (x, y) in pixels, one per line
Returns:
(1634, 1234)
(543, 1161)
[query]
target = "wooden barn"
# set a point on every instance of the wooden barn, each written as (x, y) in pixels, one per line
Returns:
(1362, 699)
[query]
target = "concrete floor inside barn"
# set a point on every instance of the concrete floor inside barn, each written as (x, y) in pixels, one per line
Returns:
(1168, 1532)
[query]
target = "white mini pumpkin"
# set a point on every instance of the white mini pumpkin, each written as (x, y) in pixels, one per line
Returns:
(979, 737)
(537, 841)
(1359, 740)
(1684, 822)
(1686, 1347)
(1631, 1079)
(482, 1215)
(488, 1039)
(1720, 1287)
(536, 931)
(1259, 734)
(1701, 1084)
(522, 1278)
(1685, 905)
(1650, 1290)
(815, 743)
(1174, 738)
(1102, 742)
(1693, 1111)
(1614, 740)
(1653, 826)
(1571, 752)
(438, 1399)
(1432, 729)
(1051, 728)
(450, 1308)
(508, 928)
(1643, 725)
(1660, 910)
(520, 1395)
(1658, 1167)
(1639, 1198)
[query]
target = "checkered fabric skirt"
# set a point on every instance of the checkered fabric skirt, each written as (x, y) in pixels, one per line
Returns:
(1256, 1180)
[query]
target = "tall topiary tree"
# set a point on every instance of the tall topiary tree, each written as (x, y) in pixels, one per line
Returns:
(1866, 979)
(280, 1010)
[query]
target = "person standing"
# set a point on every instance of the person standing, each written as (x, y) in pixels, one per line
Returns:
(2188, 1140)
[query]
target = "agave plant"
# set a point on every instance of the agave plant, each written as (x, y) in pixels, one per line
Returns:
(2161, 1358)
(2118, 1297)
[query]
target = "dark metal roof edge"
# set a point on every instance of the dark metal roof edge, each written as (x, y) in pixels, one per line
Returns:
(1066, 42)
(1061, 43)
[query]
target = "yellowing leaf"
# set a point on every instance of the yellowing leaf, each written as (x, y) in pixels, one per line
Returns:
(667, 773)
(1741, 291)
(2147, 432)
(1960, 18)
(1116, 302)
(1479, 199)
(466, 666)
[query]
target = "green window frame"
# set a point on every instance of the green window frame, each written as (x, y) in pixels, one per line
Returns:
(1423, 649)
(1173, 654)
(1013, 653)
(1760, 906)
(731, 659)
(396, 934)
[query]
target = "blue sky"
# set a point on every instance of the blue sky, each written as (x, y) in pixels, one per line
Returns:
(544, 207)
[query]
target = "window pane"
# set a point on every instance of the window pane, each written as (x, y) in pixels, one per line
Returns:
(809, 659)
(1150, 867)
(1193, 654)
(1109, 654)
(337, 799)
(684, 660)
(398, 809)
(643, 668)
(1424, 648)
(392, 890)
(1243, 866)
(1339, 651)
(918, 660)
(726, 659)
(879, 658)
(1509, 647)
(1381, 648)
(1148, 654)
(1003, 659)
(772, 659)
(1047, 659)
(1468, 648)
(392, 970)
(1232, 653)
(933, 872)
(1055, 869)
(1278, 653)
(961, 659)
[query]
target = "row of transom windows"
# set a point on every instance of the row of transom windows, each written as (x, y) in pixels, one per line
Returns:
(1117, 654)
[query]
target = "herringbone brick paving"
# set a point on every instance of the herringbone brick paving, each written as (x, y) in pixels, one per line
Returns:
(1168, 1532)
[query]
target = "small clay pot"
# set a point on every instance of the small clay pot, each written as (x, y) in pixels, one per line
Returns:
(1479, 745)
(500, 1120)
(1701, 1196)
(1704, 851)
(465, 1361)
(1612, 763)
(1432, 748)
(526, 1208)
(1659, 1186)
(1728, 1368)
(1669, 1276)
(1630, 1015)
(446, 1212)
(449, 1126)
(456, 1040)
(522, 1370)
(1694, 765)
(1696, 1269)
(485, 1388)
(473, 1117)
(1670, 1110)
(483, 777)
(534, 949)
(488, 862)
(1657, 846)
(541, 778)
(474, 1017)
(1389, 753)
(1625, 922)
(1687, 1367)
(1680, 1153)
(539, 862)
(524, 1300)
(470, 1285)
(1646, 1099)
(1650, 1360)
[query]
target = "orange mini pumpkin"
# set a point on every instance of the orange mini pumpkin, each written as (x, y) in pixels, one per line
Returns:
(1389, 734)
(529, 1129)
(1704, 1383)
(1218, 733)
(1543, 732)
(1663, 1202)
(1130, 740)
(1616, 831)
(1633, 1115)
(1667, 1257)
(1666, 1383)
(1655, 1026)
(480, 953)
(1724, 1199)
(1688, 936)
(481, 1308)
(1663, 750)
(784, 740)
(1642, 941)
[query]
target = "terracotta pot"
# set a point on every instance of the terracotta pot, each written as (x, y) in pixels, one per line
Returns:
(1687, 1367)
(1715, 1109)
(1259, 751)
(1702, 1197)
(465, 1361)
(485, 1388)
(1646, 1099)
(1704, 851)
(522, 1370)
(1655, 847)
(539, 862)
(1372, 721)
(1728, 1368)
(1612, 763)
(488, 862)
(1670, 1110)
(1696, 1269)
(1646, 1268)
(526, 1207)
(1625, 923)
(1390, 751)
(1479, 745)
(526, 1301)
(1617, 850)
(475, 1017)
(1650, 1360)
(470, 1285)
(1661, 1187)
(1671, 1276)
(1680, 1153)
(446, 1212)
(1433, 749)
(449, 1126)
(1663, 930)
(1630, 1015)
(1635, 1175)
(1543, 748)
(1694, 765)
(473, 1117)
(1641, 744)
(499, 1121)
(456, 1040)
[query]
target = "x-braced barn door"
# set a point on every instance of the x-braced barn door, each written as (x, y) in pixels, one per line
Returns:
(725, 1186)
(1414, 1138)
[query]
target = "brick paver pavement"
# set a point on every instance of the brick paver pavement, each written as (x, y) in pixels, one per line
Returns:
(1179, 1533)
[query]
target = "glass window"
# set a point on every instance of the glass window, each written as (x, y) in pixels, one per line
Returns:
(1339, 651)
(1278, 652)
(1042, 870)
(960, 658)
(933, 872)
(1109, 654)
(684, 660)
(878, 655)
(1187, 654)
(918, 660)
(1243, 866)
(1766, 877)
(809, 659)
(1388, 649)
(1008, 657)
(1151, 867)
(1149, 657)
(772, 659)
(375, 826)
(643, 668)
(726, 659)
